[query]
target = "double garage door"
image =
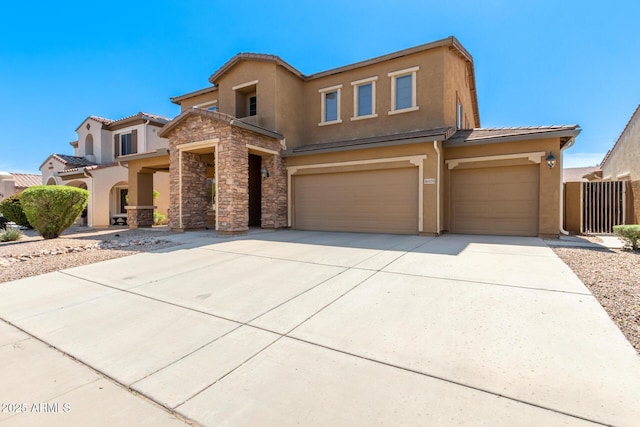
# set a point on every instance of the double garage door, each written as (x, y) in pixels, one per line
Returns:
(498, 200)
(376, 201)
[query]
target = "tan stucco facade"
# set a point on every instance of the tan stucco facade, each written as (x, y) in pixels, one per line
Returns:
(417, 146)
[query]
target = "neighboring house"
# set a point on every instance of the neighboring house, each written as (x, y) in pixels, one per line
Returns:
(584, 174)
(12, 182)
(392, 144)
(622, 163)
(95, 164)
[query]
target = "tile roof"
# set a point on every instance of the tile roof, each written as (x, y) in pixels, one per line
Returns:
(384, 140)
(577, 174)
(143, 115)
(71, 162)
(100, 119)
(480, 135)
(24, 180)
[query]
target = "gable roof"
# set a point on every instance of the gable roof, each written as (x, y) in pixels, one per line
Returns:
(107, 123)
(232, 121)
(493, 135)
(451, 41)
(178, 99)
(633, 117)
(69, 162)
(415, 137)
(25, 180)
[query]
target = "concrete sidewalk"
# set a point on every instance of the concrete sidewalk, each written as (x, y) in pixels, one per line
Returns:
(308, 328)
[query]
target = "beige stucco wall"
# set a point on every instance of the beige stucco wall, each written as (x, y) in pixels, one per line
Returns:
(197, 100)
(102, 198)
(7, 185)
(625, 157)
(550, 179)
(572, 206)
(429, 98)
(456, 86)
(244, 72)
(159, 183)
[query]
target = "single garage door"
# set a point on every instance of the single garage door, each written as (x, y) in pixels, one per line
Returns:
(373, 201)
(498, 200)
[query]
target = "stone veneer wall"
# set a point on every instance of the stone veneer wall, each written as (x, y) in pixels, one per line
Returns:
(137, 218)
(232, 197)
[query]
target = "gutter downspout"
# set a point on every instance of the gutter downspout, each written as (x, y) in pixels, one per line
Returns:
(569, 144)
(435, 146)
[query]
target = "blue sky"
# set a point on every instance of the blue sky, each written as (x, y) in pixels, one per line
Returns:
(536, 62)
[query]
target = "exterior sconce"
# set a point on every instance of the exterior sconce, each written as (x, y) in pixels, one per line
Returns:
(551, 160)
(265, 173)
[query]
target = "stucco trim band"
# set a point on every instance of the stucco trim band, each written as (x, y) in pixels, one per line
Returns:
(534, 157)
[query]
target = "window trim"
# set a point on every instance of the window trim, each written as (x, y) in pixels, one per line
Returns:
(394, 76)
(323, 102)
(356, 103)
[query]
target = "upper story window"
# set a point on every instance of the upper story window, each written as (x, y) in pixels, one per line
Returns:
(364, 98)
(459, 114)
(252, 104)
(403, 90)
(246, 99)
(126, 143)
(330, 105)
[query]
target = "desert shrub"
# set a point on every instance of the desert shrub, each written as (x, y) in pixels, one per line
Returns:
(11, 208)
(10, 235)
(51, 209)
(158, 218)
(630, 235)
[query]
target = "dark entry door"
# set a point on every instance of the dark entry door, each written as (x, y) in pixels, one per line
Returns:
(255, 191)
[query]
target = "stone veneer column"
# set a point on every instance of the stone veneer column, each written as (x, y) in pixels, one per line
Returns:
(139, 216)
(233, 185)
(274, 193)
(189, 200)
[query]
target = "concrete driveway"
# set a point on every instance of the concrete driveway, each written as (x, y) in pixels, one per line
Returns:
(310, 328)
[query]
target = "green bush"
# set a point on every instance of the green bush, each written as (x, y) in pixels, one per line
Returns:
(10, 235)
(51, 209)
(630, 235)
(11, 208)
(158, 218)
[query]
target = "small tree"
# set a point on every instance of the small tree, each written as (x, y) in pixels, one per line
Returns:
(11, 208)
(629, 234)
(51, 209)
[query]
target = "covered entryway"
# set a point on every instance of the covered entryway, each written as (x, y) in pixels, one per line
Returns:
(381, 201)
(495, 200)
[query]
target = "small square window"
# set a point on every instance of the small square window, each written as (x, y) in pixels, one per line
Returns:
(330, 105)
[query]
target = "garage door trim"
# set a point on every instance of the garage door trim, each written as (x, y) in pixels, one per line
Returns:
(417, 161)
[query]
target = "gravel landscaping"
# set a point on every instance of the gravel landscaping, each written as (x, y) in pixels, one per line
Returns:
(613, 276)
(32, 255)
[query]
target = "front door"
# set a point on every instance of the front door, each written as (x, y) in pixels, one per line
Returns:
(255, 191)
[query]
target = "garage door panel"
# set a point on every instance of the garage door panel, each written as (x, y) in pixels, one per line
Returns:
(383, 201)
(499, 200)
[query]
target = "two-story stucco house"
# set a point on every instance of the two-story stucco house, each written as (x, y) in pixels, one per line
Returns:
(392, 145)
(96, 164)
